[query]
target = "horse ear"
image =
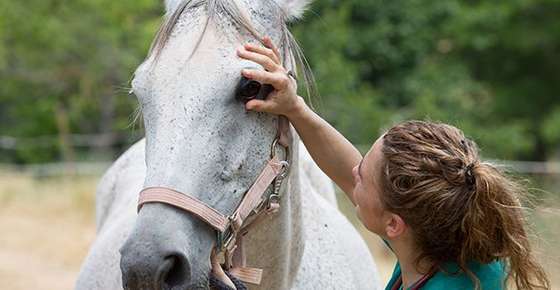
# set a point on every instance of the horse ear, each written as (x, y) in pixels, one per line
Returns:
(293, 8)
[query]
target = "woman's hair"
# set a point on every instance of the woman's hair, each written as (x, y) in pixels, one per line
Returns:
(460, 209)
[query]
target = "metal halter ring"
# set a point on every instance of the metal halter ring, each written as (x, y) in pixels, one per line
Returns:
(224, 240)
(275, 145)
(291, 74)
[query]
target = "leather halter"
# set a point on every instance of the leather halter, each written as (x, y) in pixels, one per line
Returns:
(230, 229)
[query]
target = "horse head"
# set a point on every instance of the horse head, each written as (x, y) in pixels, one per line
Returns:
(199, 138)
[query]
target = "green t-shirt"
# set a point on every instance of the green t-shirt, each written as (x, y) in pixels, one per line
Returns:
(491, 277)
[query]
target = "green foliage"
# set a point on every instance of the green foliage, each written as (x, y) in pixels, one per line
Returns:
(489, 67)
(72, 55)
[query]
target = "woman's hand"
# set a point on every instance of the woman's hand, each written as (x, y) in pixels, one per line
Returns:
(284, 99)
(335, 155)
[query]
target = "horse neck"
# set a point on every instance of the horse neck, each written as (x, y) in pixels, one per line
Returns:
(276, 244)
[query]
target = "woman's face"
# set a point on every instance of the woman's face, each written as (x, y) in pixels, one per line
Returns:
(367, 190)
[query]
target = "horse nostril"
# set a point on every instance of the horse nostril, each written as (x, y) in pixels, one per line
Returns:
(173, 272)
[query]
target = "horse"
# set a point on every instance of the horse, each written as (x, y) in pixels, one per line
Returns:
(199, 140)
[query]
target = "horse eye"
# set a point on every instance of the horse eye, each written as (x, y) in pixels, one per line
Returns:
(247, 90)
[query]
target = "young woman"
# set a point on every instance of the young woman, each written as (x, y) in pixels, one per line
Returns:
(453, 221)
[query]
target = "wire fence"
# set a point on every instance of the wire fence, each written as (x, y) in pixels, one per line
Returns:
(98, 167)
(92, 168)
(77, 140)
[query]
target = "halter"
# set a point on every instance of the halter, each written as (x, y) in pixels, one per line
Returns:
(230, 229)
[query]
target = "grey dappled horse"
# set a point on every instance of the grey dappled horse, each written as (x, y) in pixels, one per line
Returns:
(200, 140)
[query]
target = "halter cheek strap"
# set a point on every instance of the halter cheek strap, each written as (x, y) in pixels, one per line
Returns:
(254, 205)
(209, 215)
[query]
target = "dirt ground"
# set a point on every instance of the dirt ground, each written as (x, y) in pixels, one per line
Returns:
(47, 226)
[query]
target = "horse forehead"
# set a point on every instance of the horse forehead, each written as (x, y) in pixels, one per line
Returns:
(212, 62)
(214, 47)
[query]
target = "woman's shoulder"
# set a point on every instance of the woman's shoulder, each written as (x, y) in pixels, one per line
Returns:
(491, 276)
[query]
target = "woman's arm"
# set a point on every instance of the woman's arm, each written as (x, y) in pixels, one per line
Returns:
(334, 154)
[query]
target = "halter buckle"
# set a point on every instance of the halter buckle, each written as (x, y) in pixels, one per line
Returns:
(224, 240)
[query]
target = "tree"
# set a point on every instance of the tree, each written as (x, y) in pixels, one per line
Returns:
(489, 67)
(71, 58)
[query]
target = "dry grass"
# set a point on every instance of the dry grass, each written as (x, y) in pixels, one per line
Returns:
(48, 225)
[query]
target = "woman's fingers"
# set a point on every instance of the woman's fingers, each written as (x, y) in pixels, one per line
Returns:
(268, 56)
(264, 51)
(263, 60)
(258, 105)
(278, 80)
(270, 45)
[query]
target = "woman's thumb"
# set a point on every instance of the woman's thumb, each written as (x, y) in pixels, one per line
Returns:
(257, 105)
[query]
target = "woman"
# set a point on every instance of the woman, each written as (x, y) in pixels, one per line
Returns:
(453, 221)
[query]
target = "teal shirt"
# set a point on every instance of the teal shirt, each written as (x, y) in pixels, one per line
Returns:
(491, 277)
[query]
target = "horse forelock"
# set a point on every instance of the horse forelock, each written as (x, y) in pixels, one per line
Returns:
(232, 10)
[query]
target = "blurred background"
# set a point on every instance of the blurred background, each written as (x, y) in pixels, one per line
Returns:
(492, 68)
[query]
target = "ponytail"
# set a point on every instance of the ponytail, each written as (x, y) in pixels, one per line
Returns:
(460, 209)
(494, 228)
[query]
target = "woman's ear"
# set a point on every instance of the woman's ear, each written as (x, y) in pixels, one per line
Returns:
(395, 226)
(293, 8)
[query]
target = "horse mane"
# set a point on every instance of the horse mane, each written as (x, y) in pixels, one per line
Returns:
(293, 54)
